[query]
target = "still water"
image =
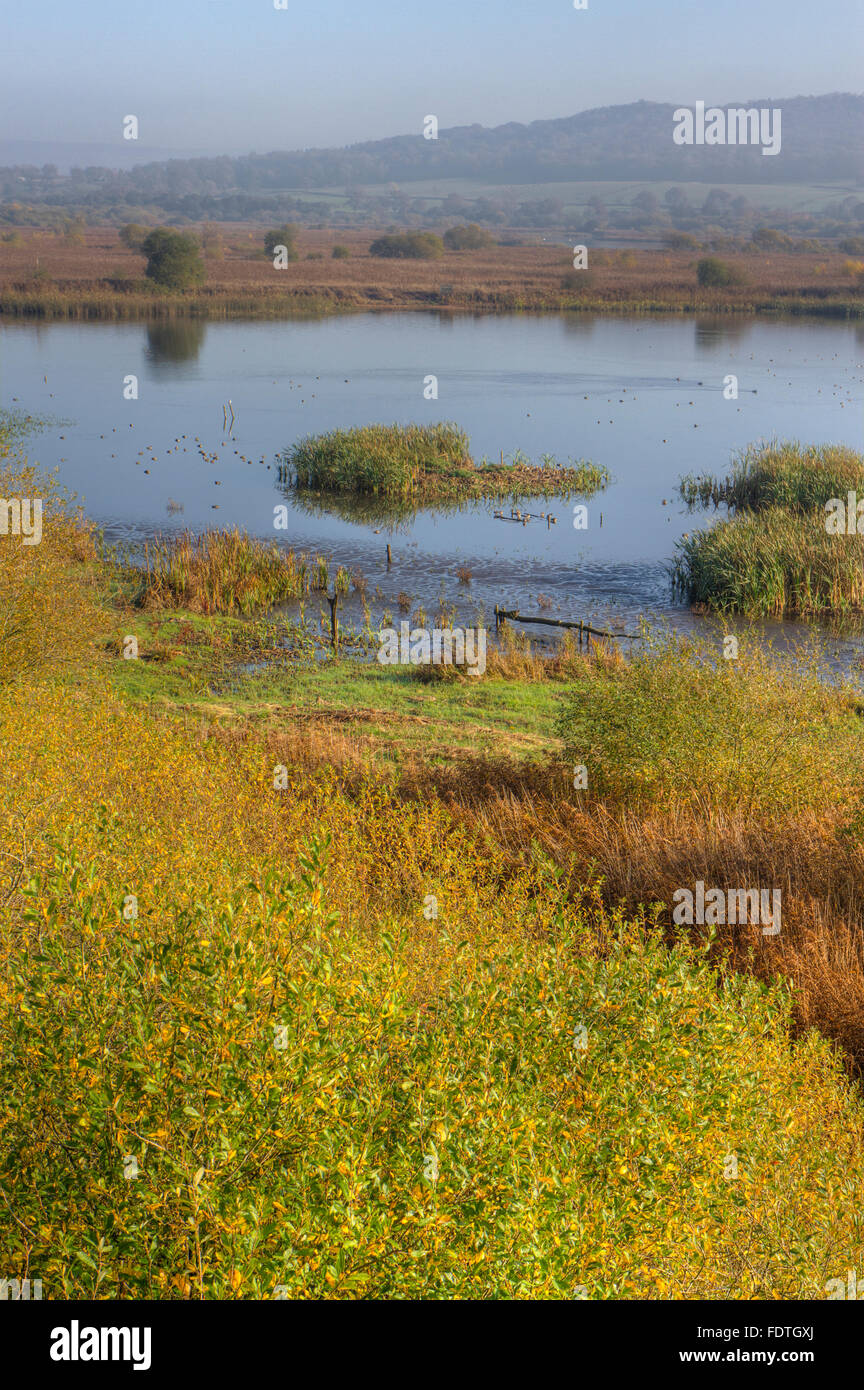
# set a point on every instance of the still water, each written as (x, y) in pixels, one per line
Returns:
(644, 397)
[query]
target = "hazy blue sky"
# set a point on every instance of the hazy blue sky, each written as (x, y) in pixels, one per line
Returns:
(235, 75)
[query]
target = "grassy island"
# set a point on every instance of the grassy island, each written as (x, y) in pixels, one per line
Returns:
(427, 463)
(778, 552)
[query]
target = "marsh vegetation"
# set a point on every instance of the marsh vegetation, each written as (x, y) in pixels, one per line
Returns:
(285, 1041)
(426, 463)
(773, 555)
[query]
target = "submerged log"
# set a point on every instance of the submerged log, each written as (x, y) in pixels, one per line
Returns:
(583, 628)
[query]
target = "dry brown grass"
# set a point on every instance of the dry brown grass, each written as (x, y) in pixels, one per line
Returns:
(641, 861)
(529, 275)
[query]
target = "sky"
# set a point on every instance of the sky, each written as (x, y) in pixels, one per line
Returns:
(231, 76)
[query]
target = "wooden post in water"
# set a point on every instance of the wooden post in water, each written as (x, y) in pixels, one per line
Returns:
(585, 630)
(389, 556)
(334, 620)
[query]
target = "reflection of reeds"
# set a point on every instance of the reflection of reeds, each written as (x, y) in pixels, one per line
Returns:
(225, 572)
(363, 510)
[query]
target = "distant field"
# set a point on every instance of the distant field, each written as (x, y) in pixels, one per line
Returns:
(794, 197)
(97, 276)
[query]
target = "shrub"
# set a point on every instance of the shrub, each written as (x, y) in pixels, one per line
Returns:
(311, 1110)
(469, 237)
(678, 725)
(173, 259)
(713, 272)
(340, 252)
(132, 235)
(770, 239)
(49, 613)
(282, 236)
(681, 241)
(423, 246)
(211, 240)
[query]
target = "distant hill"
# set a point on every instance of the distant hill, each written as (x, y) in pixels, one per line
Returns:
(822, 142)
(66, 155)
(823, 138)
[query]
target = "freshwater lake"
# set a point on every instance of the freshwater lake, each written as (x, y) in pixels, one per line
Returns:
(644, 397)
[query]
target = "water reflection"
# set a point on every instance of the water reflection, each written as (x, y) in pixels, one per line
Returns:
(177, 340)
(579, 325)
(713, 332)
(624, 393)
(363, 510)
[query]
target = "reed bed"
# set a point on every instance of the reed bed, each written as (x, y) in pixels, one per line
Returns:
(787, 474)
(774, 555)
(382, 459)
(102, 304)
(225, 572)
(772, 563)
(107, 306)
(102, 279)
(425, 462)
